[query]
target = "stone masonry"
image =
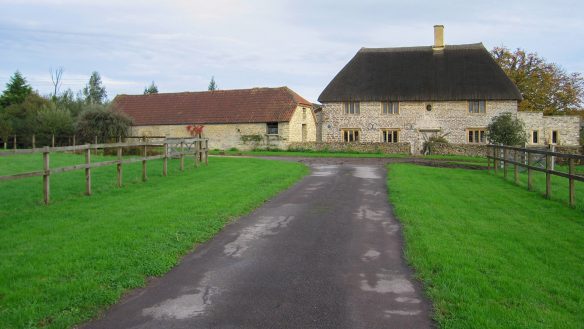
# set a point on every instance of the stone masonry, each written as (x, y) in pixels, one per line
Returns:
(234, 135)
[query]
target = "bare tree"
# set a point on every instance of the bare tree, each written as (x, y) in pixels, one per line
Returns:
(56, 77)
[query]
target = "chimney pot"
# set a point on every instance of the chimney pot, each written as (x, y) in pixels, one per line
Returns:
(438, 37)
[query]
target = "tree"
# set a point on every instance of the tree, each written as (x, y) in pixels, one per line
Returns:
(546, 87)
(24, 115)
(506, 129)
(103, 124)
(94, 92)
(17, 89)
(5, 128)
(56, 77)
(55, 121)
(212, 84)
(152, 89)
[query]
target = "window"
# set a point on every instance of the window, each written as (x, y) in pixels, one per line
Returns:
(534, 137)
(303, 113)
(390, 135)
(350, 135)
(554, 138)
(352, 108)
(476, 136)
(390, 108)
(272, 128)
(476, 106)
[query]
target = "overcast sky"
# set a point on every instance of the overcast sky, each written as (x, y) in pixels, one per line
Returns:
(180, 44)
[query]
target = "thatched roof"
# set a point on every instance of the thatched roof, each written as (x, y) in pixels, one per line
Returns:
(457, 72)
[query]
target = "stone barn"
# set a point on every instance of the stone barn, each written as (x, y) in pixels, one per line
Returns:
(242, 119)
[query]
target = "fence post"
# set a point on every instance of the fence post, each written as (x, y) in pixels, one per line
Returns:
(14, 146)
(505, 165)
(165, 160)
(548, 176)
(73, 140)
(488, 161)
(95, 142)
(33, 141)
(197, 145)
(206, 152)
(529, 172)
(120, 164)
(182, 156)
(88, 170)
(496, 156)
(53, 140)
(571, 185)
(516, 167)
(46, 177)
(144, 174)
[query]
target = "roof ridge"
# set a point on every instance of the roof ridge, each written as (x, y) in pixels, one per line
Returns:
(419, 48)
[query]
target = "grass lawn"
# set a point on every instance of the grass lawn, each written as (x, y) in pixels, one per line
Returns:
(61, 264)
(490, 253)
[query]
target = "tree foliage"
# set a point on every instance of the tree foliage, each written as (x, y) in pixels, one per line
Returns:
(152, 89)
(506, 129)
(103, 123)
(17, 89)
(546, 87)
(212, 84)
(94, 92)
(55, 121)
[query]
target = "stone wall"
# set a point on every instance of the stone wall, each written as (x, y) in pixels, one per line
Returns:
(567, 126)
(414, 122)
(302, 116)
(368, 147)
(224, 136)
(474, 150)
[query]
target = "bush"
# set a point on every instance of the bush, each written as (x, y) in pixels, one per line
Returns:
(102, 123)
(507, 130)
(430, 143)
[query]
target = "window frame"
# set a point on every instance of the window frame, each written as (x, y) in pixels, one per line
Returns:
(394, 133)
(472, 104)
(350, 133)
(552, 137)
(269, 130)
(474, 134)
(390, 105)
(536, 140)
(351, 108)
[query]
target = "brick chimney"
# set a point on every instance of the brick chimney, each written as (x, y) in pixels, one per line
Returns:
(438, 37)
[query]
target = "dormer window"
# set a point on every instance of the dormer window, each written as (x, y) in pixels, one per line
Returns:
(476, 106)
(352, 108)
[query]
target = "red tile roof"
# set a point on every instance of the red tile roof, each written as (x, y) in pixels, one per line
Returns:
(220, 106)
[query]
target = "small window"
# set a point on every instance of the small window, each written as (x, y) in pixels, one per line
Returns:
(304, 113)
(352, 108)
(476, 107)
(390, 108)
(535, 137)
(350, 135)
(390, 135)
(272, 128)
(476, 136)
(429, 107)
(554, 138)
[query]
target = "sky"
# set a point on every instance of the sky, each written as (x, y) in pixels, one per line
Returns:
(181, 44)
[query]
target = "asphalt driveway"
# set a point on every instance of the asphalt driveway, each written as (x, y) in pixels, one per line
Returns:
(326, 253)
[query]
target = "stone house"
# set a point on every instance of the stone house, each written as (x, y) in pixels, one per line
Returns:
(243, 118)
(391, 95)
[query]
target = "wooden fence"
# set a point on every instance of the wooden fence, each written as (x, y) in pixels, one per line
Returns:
(172, 148)
(526, 158)
(53, 140)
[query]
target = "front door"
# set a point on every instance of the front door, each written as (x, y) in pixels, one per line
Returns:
(304, 133)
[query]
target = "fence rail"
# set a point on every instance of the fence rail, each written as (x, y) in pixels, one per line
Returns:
(524, 158)
(172, 148)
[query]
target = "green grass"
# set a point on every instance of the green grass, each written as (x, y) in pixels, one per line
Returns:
(308, 154)
(61, 264)
(489, 253)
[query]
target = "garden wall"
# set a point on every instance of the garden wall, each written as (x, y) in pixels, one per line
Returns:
(390, 148)
(460, 149)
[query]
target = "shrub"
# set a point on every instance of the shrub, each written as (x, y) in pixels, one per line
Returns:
(507, 130)
(103, 124)
(430, 143)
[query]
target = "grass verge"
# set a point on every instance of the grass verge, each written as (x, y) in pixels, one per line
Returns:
(61, 264)
(490, 254)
